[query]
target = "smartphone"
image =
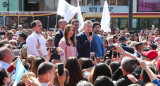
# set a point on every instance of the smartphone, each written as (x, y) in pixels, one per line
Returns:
(152, 26)
(2, 33)
(60, 69)
(38, 40)
(16, 52)
(92, 55)
(55, 54)
(133, 62)
(90, 33)
(111, 47)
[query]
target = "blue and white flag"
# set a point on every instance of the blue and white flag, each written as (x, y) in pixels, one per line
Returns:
(105, 21)
(19, 72)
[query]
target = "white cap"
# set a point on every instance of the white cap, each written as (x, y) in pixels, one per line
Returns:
(20, 26)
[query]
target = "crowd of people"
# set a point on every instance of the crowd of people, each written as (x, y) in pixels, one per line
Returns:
(73, 57)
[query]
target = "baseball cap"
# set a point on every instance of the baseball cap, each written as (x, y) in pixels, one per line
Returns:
(127, 65)
(152, 54)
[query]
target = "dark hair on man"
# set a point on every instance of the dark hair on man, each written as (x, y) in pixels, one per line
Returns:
(84, 83)
(86, 63)
(26, 65)
(103, 81)
(23, 35)
(3, 74)
(114, 66)
(74, 20)
(145, 76)
(33, 24)
(138, 45)
(9, 32)
(153, 46)
(122, 39)
(44, 68)
(95, 24)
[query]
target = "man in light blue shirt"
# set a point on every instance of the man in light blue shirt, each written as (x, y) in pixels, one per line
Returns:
(97, 40)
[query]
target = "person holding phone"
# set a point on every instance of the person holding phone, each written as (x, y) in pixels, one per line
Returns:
(36, 39)
(84, 40)
(67, 43)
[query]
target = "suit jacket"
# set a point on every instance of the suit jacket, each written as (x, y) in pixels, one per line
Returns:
(83, 45)
(127, 48)
(137, 54)
(58, 36)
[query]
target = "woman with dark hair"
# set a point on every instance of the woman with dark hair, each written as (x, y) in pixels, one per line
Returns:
(4, 77)
(99, 70)
(75, 71)
(67, 43)
(36, 64)
(135, 37)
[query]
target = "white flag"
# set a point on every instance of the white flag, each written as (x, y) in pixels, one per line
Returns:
(105, 20)
(80, 18)
(70, 11)
(66, 10)
(61, 8)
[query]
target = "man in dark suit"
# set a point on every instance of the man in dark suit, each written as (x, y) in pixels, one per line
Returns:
(59, 34)
(139, 48)
(122, 42)
(84, 40)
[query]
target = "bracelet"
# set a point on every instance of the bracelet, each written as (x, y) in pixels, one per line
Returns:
(38, 49)
(123, 52)
(62, 54)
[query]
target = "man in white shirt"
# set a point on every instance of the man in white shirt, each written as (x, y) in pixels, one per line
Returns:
(6, 57)
(35, 38)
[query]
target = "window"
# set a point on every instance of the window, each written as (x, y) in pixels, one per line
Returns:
(90, 2)
(112, 2)
(134, 23)
(147, 23)
(11, 21)
(97, 2)
(153, 21)
(1, 20)
(25, 21)
(123, 23)
(114, 23)
(122, 2)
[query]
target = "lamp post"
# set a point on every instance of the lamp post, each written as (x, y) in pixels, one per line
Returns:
(130, 14)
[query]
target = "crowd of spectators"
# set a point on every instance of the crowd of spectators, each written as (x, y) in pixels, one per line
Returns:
(90, 57)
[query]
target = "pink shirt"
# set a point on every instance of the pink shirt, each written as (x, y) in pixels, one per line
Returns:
(70, 51)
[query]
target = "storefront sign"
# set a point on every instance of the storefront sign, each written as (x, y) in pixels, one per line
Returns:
(99, 9)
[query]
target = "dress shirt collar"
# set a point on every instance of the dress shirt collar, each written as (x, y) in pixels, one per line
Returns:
(61, 31)
(35, 34)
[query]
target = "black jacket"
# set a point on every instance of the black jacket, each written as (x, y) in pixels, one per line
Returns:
(58, 37)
